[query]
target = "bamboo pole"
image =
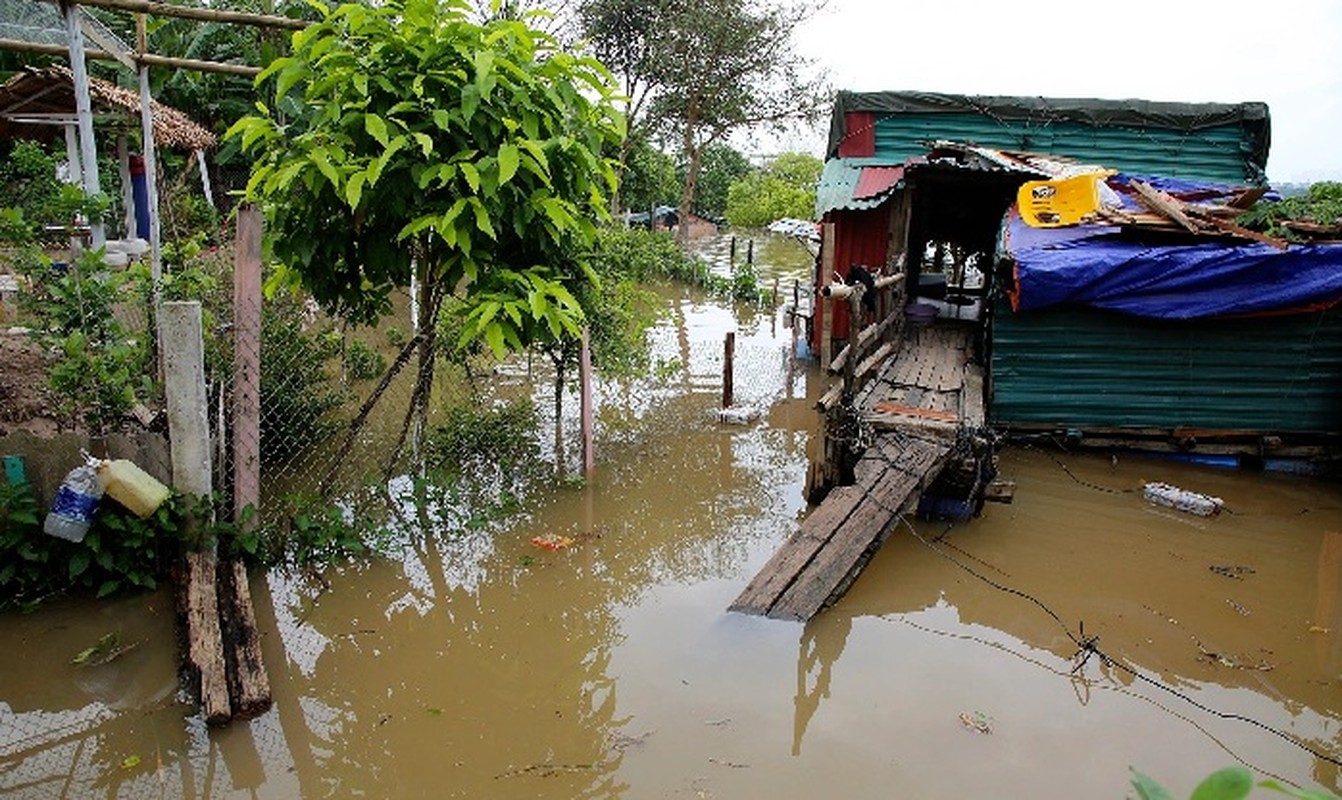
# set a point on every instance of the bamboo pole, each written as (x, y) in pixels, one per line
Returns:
(202, 14)
(19, 46)
(88, 153)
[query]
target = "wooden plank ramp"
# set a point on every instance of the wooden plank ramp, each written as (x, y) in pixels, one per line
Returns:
(917, 405)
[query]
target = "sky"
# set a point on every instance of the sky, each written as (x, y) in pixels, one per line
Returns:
(1286, 53)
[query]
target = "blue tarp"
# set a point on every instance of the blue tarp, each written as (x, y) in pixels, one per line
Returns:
(1095, 265)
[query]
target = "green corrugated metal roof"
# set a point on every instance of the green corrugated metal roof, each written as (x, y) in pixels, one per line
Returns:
(1079, 368)
(1216, 142)
(839, 180)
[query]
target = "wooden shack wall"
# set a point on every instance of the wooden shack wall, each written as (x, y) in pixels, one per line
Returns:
(860, 237)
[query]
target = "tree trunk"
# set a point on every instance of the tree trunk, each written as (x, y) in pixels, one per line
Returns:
(691, 173)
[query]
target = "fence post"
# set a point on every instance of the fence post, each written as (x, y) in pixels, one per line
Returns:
(189, 430)
(728, 359)
(823, 305)
(585, 401)
(247, 361)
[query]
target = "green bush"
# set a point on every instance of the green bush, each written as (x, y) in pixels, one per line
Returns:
(120, 550)
(362, 362)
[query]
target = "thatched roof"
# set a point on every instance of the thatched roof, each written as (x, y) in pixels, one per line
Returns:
(51, 90)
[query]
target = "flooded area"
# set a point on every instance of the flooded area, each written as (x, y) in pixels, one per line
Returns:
(482, 665)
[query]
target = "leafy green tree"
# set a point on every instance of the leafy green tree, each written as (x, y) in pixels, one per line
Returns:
(649, 178)
(721, 66)
(468, 153)
(783, 188)
(720, 167)
(697, 70)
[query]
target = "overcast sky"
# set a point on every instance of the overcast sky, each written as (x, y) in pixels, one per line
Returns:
(1287, 53)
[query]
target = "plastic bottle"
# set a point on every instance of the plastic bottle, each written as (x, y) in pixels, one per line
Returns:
(132, 487)
(74, 504)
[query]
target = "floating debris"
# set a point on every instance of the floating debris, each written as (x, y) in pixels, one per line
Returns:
(107, 649)
(1241, 610)
(552, 541)
(739, 415)
(1163, 494)
(731, 764)
(620, 741)
(977, 722)
(1232, 571)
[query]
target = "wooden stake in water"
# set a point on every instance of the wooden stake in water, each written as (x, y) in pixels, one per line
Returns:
(728, 357)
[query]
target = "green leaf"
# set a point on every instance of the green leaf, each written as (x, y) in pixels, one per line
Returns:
(79, 562)
(108, 587)
(376, 127)
(354, 189)
(322, 160)
(509, 156)
(1231, 783)
(1148, 789)
(442, 119)
(494, 338)
(470, 101)
(471, 174)
(482, 221)
(425, 143)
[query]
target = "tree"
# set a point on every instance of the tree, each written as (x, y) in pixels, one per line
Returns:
(468, 153)
(783, 188)
(720, 66)
(720, 167)
(649, 177)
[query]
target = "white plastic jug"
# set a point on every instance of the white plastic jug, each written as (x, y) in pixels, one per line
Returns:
(132, 487)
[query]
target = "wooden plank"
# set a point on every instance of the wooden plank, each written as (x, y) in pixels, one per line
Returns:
(901, 410)
(1162, 203)
(824, 306)
(247, 682)
(853, 545)
(806, 595)
(781, 569)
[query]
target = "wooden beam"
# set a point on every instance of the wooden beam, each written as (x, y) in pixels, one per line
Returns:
(1162, 203)
(201, 14)
(242, 70)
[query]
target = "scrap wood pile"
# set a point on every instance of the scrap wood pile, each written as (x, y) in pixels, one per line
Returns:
(1235, 213)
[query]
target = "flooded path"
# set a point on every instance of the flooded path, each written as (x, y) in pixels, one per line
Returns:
(483, 666)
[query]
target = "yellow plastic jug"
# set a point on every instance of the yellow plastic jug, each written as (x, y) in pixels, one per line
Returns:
(132, 487)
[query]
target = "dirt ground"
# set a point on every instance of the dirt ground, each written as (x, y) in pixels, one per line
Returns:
(24, 402)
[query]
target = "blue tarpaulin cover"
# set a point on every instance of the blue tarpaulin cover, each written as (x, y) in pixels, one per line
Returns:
(1096, 265)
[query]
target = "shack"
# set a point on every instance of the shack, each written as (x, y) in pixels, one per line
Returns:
(1137, 325)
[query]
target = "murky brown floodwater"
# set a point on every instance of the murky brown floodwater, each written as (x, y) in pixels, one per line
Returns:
(482, 666)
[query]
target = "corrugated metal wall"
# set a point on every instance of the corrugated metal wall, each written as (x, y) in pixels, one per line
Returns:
(1079, 368)
(1217, 154)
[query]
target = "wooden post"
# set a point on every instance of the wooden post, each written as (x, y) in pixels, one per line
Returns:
(249, 685)
(88, 151)
(728, 359)
(189, 431)
(586, 405)
(823, 306)
(247, 360)
(775, 297)
(205, 177)
(127, 191)
(750, 251)
(150, 153)
(732, 257)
